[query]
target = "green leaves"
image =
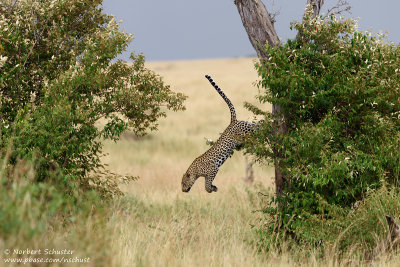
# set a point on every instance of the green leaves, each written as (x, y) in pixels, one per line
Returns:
(339, 90)
(61, 90)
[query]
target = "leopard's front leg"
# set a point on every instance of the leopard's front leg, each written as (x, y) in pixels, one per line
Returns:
(209, 179)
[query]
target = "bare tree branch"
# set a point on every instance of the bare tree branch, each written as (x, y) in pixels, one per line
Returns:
(340, 7)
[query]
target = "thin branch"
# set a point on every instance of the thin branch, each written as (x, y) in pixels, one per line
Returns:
(340, 7)
(274, 15)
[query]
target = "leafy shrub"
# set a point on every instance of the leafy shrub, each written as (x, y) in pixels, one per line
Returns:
(58, 78)
(25, 206)
(339, 90)
(43, 215)
(28, 208)
(357, 234)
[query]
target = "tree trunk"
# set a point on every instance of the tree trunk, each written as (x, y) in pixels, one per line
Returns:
(258, 24)
(261, 31)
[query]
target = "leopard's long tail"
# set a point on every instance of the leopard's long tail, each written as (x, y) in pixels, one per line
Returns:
(228, 102)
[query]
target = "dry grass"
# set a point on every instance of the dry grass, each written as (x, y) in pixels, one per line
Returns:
(161, 226)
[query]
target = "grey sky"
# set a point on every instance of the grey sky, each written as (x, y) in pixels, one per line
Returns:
(195, 29)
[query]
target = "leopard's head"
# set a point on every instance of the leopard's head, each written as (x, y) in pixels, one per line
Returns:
(187, 182)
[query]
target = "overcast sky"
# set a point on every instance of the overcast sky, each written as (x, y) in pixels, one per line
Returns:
(196, 29)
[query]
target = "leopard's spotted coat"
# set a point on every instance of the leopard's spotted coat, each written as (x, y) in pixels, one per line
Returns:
(207, 164)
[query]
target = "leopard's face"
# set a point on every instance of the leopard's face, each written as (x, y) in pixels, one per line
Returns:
(187, 182)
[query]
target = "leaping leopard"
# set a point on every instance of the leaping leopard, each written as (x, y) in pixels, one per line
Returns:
(207, 164)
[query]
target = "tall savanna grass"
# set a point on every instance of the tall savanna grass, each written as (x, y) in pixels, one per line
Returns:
(41, 215)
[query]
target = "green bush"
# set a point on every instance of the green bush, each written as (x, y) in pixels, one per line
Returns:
(29, 208)
(359, 232)
(339, 90)
(62, 91)
(25, 207)
(44, 215)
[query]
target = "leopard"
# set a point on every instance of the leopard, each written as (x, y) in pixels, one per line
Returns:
(208, 164)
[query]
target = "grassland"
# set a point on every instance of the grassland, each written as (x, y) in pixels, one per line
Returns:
(161, 225)
(162, 157)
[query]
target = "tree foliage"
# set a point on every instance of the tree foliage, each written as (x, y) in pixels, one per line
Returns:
(339, 89)
(59, 77)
